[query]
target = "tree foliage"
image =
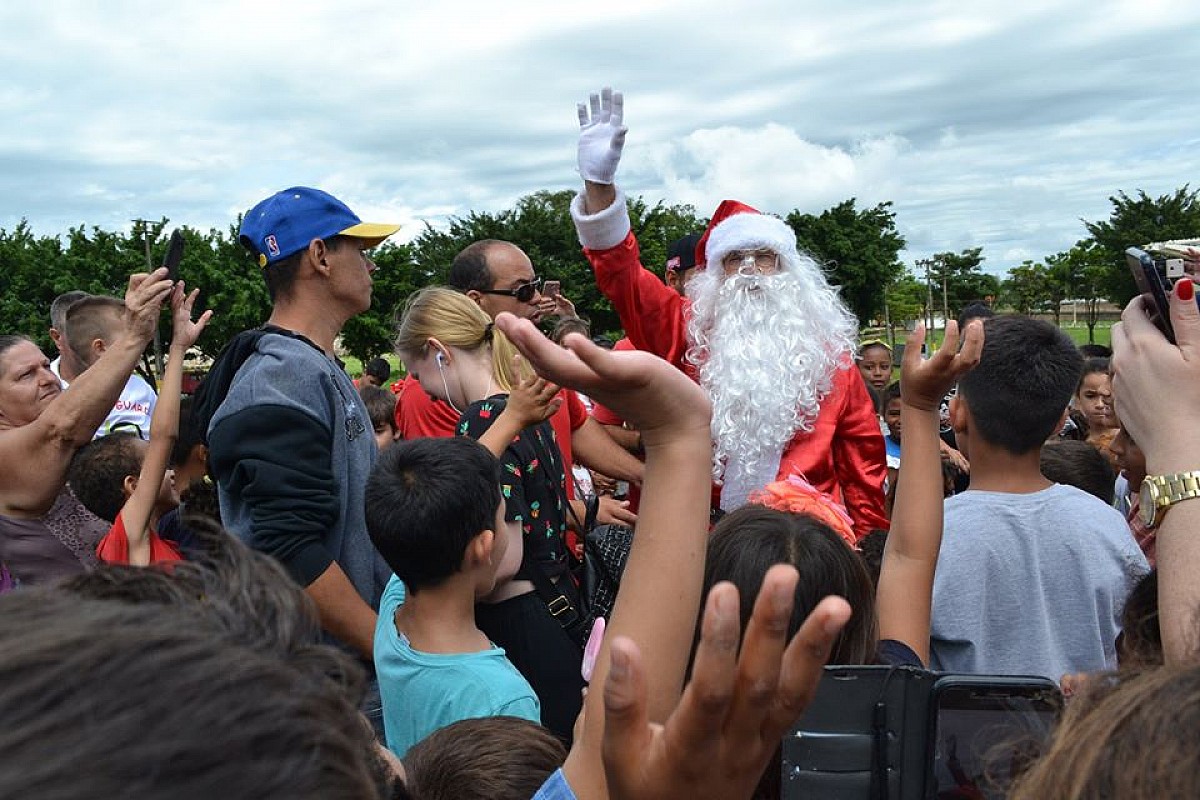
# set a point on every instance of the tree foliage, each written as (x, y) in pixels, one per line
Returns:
(1027, 289)
(859, 249)
(906, 298)
(36, 269)
(1136, 221)
(958, 279)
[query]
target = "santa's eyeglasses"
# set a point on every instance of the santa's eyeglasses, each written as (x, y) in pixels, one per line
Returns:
(524, 293)
(757, 259)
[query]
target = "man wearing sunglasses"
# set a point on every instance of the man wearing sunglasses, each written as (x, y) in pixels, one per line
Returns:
(499, 277)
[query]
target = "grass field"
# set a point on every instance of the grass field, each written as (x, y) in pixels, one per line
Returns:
(354, 367)
(1078, 334)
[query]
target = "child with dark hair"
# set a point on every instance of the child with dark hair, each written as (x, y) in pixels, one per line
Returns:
(874, 360)
(1128, 487)
(870, 547)
(892, 418)
(435, 513)
(1032, 575)
(1140, 644)
(1080, 465)
(1093, 400)
(375, 373)
(99, 471)
(570, 325)
(1092, 350)
(500, 758)
(197, 493)
(381, 408)
(126, 481)
(976, 309)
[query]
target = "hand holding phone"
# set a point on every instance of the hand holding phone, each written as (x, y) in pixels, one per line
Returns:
(1154, 277)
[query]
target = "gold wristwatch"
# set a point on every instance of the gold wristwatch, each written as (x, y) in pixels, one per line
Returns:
(1160, 492)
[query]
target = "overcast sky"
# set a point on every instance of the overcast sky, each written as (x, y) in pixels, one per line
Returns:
(999, 124)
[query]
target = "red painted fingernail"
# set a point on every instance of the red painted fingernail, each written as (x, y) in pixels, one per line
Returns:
(1185, 289)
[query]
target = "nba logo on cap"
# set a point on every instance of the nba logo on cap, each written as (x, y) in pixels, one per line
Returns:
(272, 246)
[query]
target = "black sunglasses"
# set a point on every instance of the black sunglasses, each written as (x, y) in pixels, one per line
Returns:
(524, 293)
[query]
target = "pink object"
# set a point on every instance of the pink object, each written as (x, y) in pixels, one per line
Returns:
(592, 651)
(798, 496)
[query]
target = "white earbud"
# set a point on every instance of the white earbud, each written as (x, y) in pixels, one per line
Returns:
(440, 360)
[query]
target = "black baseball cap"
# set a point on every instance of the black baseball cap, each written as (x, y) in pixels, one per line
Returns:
(681, 254)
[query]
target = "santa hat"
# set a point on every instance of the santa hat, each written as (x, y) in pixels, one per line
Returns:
(737, 226)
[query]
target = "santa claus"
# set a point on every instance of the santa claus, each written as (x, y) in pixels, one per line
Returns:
(759, 327)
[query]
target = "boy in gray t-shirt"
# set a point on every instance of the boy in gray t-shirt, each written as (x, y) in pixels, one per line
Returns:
(1032, 575)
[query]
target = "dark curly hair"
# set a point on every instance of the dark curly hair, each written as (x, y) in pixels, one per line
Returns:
(98, 471)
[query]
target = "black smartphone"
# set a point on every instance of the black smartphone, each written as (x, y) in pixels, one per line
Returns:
(985, 731)
(1153, 282)
(174, 256)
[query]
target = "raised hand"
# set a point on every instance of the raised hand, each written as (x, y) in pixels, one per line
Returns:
(556, 306)
(1156, 384)
(737, 707)
(185, 332)
(924, 382)
(533, 399)
(144, 298)
(645, 391)
(601, 136)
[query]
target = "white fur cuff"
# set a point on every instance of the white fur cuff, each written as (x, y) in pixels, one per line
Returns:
(604, 229)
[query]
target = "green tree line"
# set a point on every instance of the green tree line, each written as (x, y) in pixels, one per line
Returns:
(1094, 268)
(857, 247)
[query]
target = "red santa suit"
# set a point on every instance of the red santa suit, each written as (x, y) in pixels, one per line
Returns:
(842, 455)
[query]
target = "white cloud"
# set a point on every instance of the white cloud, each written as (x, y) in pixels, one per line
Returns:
(992, 123)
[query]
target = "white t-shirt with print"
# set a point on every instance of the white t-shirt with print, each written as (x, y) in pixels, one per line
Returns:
(134, 407)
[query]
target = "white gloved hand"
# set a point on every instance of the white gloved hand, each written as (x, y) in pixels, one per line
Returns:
(601, 136)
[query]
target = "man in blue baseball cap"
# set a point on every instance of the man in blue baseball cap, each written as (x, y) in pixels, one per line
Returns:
(290, 442)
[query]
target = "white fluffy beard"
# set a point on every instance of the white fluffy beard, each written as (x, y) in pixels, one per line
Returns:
(766, 347)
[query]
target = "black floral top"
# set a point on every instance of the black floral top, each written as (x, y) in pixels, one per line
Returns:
(533, 483)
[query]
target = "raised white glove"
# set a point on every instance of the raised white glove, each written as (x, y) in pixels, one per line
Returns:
(601, 136)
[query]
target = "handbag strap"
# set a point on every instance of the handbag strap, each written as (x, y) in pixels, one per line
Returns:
(566, 613)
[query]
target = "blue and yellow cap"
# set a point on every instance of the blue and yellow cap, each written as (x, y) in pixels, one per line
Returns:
(287, 221)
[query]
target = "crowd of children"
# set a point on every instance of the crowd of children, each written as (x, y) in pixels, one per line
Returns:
(412, 616)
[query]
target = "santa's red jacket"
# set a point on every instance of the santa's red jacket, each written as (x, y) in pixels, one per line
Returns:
(843, 455)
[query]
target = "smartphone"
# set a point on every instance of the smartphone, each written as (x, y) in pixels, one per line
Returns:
(551, 288)
(174, 256)
(1152, 282)
(985, 731)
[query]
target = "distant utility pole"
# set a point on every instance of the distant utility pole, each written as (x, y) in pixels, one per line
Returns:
(145, 224)
(945, 301)
(928, 263)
